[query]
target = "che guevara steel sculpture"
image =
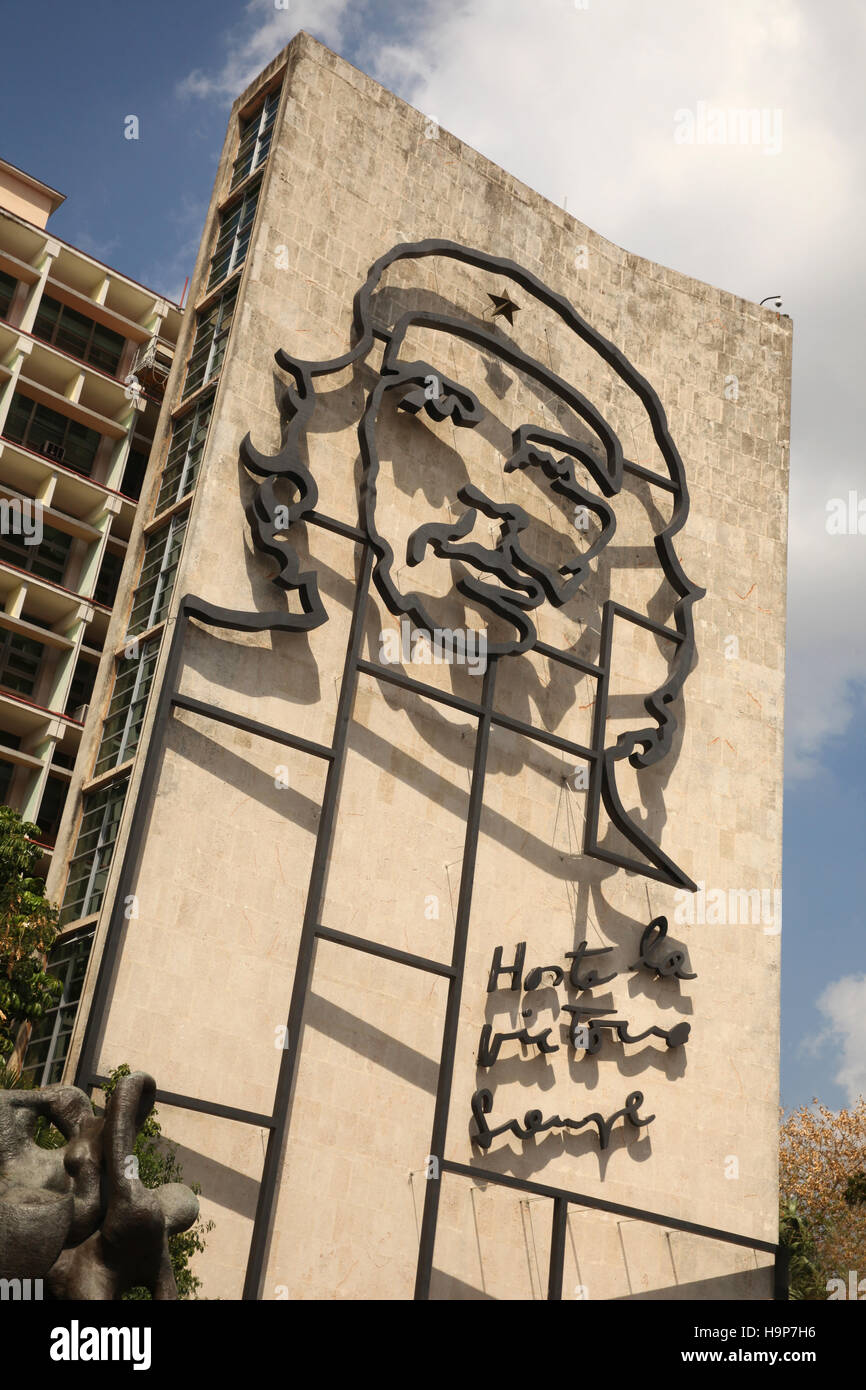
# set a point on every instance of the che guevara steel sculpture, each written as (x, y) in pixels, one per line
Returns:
(515, 583)
(78, 1217)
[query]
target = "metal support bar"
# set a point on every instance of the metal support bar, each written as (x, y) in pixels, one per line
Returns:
(204, 1107)
(505, 721)
(251, 726)
(455, 988)
(266, 1204)
(376, 948)
(581, 1199)
(557, 1249)
(428, 692)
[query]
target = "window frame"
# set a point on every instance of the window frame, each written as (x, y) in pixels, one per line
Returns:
(262, 121)
(113, 798)
(197, 419)
(212, 332)
(4, 308)
(42, 1072)
(90, 346)
(132, 708)
(165, 574)
(63, 442)
(233, 236)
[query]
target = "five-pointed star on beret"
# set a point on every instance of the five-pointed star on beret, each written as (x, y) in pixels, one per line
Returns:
(505, 306)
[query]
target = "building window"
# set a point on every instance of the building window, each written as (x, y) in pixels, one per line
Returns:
(88, 868)
(109, 578)
(47, 560)
(8, 286)
(80, 691)
(255, 138)
(234, 237)
(49, 1041)
(7, 770)
(20, 659)
(211, 334)
(78, 335)
(133, 473)
(51, 809)
(47, 432)
(184, 456)
(122, 728)
(158, 570)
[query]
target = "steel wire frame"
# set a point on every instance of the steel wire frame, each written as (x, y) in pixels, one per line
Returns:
(313, 930)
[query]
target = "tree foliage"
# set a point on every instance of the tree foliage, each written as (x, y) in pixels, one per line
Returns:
(28, 929)
(804, 1279)
(822, 1184)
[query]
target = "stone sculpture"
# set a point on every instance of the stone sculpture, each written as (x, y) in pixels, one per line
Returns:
(79, 1217)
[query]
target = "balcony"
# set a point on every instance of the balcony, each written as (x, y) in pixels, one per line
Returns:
(31, 473)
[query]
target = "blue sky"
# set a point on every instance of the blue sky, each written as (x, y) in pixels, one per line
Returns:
(578, 102)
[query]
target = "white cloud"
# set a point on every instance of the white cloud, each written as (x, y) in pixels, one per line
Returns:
(258, 38)
(843, 1003)
(580, 104)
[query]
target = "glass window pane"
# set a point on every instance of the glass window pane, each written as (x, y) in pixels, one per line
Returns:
(80, 447)
(7, 290)
(234, 235)
(122, 727)
(109, 578)
(73, 333)
(88, 870)
(49, 1041)
(184, 455)
(18, 418)
(20, 660)
(255, 138)
(106, 349)
(156, 583)
(209, 346)
(79, 335)
(46, 318)
(35, 426)
(48, 559)
(221, 262)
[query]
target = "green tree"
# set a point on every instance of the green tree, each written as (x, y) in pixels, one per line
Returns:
(804, 1278)
(157, 1164)
(28, 929)
(822, 1163)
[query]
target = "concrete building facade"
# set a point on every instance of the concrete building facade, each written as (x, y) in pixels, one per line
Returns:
(441, 896)
(84, 356)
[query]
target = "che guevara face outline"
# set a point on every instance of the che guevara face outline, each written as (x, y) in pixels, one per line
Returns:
(270, 520)
(522, 582)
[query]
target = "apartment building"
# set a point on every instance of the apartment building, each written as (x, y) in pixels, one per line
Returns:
(85, 352)
(111, 711)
